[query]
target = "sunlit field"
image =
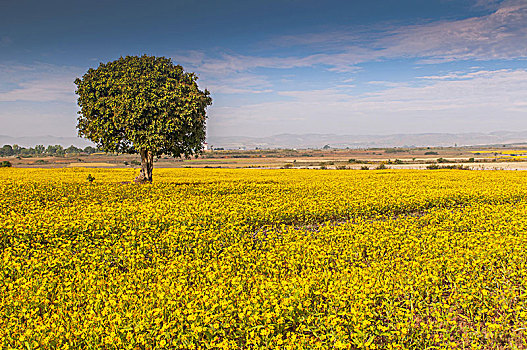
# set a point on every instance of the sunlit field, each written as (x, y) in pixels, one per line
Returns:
(256, 259)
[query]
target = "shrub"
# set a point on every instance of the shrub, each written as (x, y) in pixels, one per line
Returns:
(5, 164)
(381, 166)
(431, 153)
(364, 167)
(452, 167)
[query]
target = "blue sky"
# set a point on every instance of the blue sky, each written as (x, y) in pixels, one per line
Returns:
(290, 66)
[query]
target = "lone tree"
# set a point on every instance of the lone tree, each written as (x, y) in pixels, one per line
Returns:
(144, 105)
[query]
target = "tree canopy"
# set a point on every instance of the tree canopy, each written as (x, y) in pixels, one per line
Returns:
(145, 105)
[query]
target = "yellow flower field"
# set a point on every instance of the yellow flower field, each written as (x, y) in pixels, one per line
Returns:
(263, 259)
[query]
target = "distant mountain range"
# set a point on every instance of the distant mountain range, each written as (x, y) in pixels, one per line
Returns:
(313, 140)
(369, 141)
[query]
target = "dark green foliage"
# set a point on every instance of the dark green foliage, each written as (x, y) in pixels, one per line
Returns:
(432, 167)
(72, 149)
(56, 150)
(451, 167)
(6, 150)
(39, 150)
(431, 153)
(89, 150)
(5, 164)
(144, 105)
(146, 102)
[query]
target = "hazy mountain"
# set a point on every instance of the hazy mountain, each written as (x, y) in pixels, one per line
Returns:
(313, 140)
(367, 141)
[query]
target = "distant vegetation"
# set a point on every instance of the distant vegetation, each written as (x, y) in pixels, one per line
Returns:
(41, 150)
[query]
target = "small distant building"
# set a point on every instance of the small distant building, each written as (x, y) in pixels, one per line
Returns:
(205, 146)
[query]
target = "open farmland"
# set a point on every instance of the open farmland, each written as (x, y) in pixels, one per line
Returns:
(477, 158)
(241, 259)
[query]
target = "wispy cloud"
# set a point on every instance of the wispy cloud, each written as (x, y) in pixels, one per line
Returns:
(489, 89)
(242, 83)
(477, 101)
(463, 75)
(43, 90)
(232, 63)
(38, 99)
(493, 36)
(487, 4)
(37, 82)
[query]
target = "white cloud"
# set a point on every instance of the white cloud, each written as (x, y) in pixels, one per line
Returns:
(238, 83)
(42, 90)
(38, 83)
(477, 101)
(233, 63)
(27, 119)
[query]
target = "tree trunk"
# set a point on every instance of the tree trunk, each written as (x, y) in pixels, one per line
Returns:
(147, 164)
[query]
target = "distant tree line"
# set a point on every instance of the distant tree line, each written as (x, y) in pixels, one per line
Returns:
(41, 150)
